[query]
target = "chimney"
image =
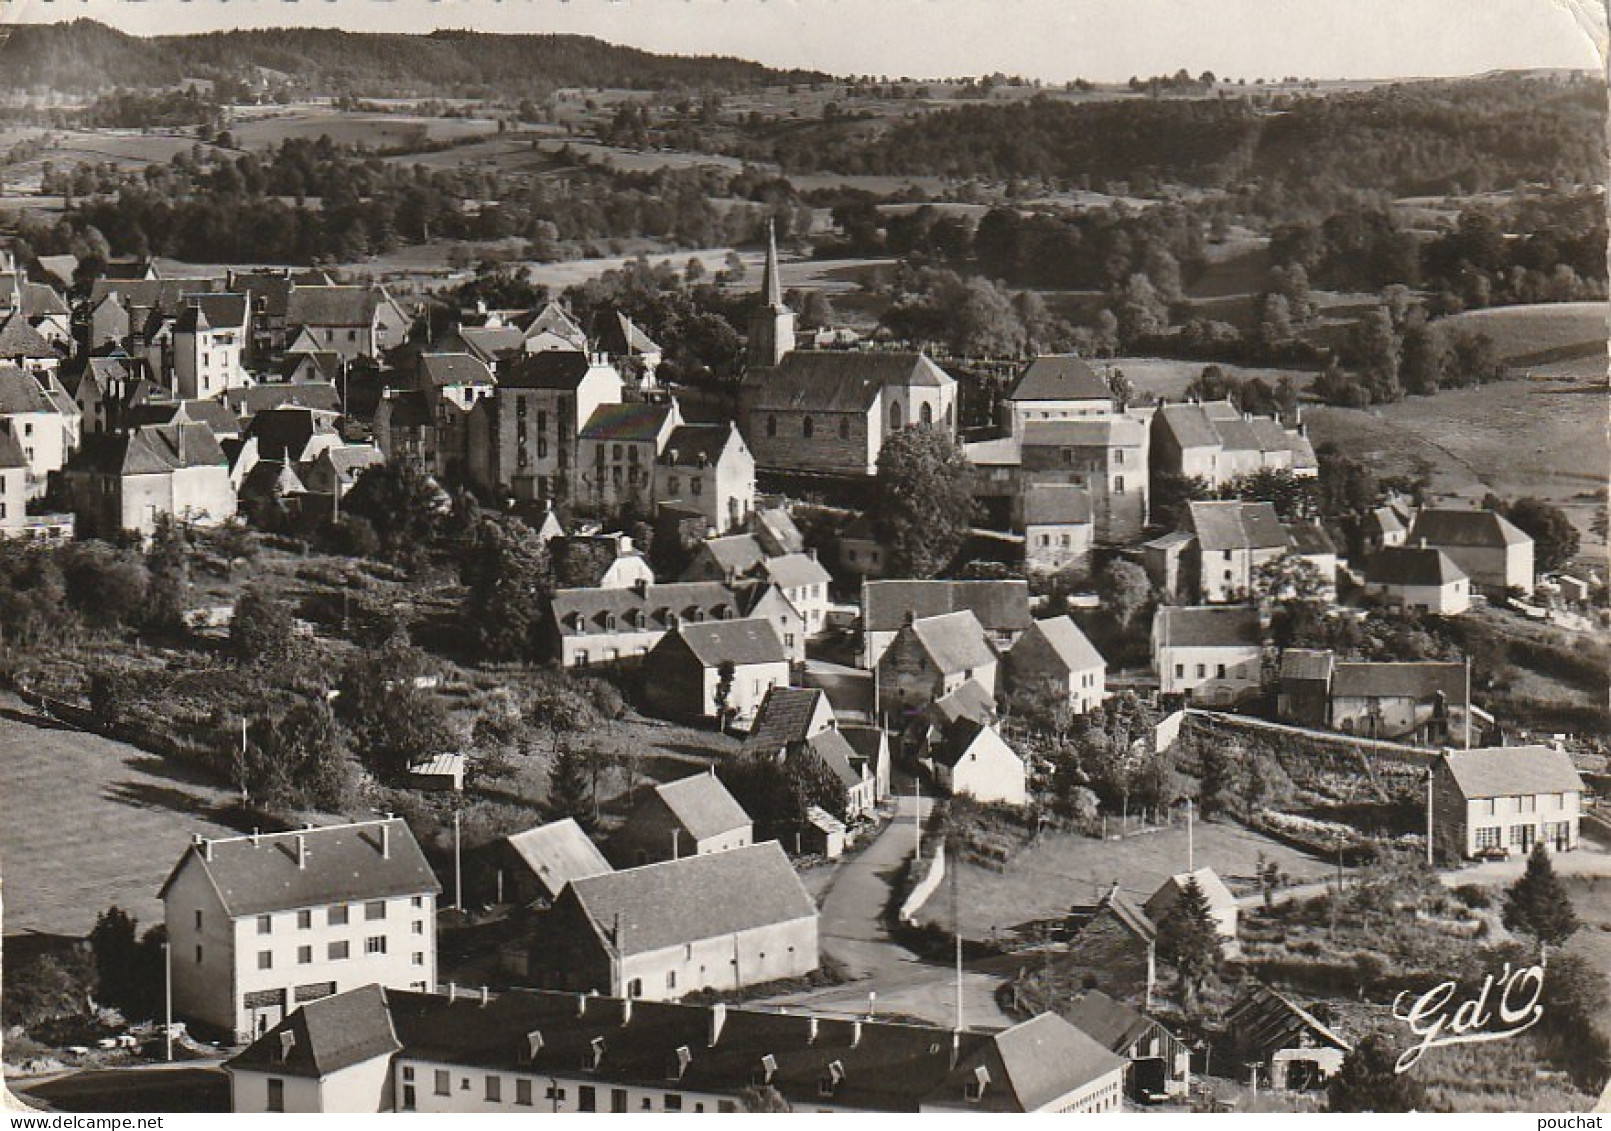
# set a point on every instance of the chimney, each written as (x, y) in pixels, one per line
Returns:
(626, 1012)
(872, 1003)
(255, 836)
(287, 1043)
(581, 1005)
(453, 992)
(956, 1047)
(812, 1028)
(301, 851)
(485, 996)
(534, 1044)
(385, 841)
(855, 1034)
(718, 1020)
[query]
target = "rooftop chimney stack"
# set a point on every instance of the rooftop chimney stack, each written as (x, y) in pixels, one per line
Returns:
(301, 851)
(855, 1034)
(626, 1011)
(813, 1027)
(453, 992)
(386, 841)
(485, 996)
(718, 1020)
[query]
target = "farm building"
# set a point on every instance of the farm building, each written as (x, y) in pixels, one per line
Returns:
(1294, 1049)
(972, 758)
(536, 864)
(1418, 578)
(691, 816)
(1487, 546)
(1160, 1062)
(1221, 903)
(1212, 654)
(721, 666)
(1055, 652)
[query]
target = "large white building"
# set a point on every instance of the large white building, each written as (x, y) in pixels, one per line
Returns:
(259, 925)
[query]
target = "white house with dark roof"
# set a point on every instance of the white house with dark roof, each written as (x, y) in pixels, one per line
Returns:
(259, 925)
(525, 439)
(1222, 905)
(208, 340)
(690, 816)
(1218, 443)
(617, 453)
(721, 920)
(1056, 387)
(688, 668)
(536, 863)
(804, 582)
(44, 424)
(974, 759)
(1054, 652)
(1209, 653)
(725, 558)
(523, 1051)
(351, 321)
(127, 481)
(1487, 547)
(587, 627)
(707, 469)
(1233, 539)
(1058, 527)
(929, 658)
(1000, 606)
(1502, 800)
(1419, 578)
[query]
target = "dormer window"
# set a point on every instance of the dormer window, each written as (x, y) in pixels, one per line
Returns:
(975, 1088)
(679, 1063)
(767, 1069)
(595, 1054)
(831, 1078)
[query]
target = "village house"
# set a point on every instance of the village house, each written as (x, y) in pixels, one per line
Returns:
(127, 481)
(1160, 1062)
(1309, 542)
(1233, 539)
(406, 429)
(1057, 528)
(972, 758)
(534, 865)
(259, 925)
(1502, 800)
(929, 658)
(687, 817)
(589, 626)
(521, 1051)
(336, 469)
(1424, 702)
(857, 775)
(787, 715)
(37, 413)
(1294, 1049)
(707, 469)
(1385, 526)
(805, 583)
(721, 920)
(860, 551)
(1210, 654)
(1055, 653)
(1219, 444)
(726, 558)
(1056, 387)
(765, 601)
(1418, 578)
(1001, 608)
(1107, 456)
(619, 446)
(1113, 945)
(355, 322)
(204, 356)
(1222, 907)
(1304, 695)
(929, 726)
(24, 346)
(615, 562)
(716, 668)
(14, 518)
(629, 349)
(1487, 547)
(524, 439)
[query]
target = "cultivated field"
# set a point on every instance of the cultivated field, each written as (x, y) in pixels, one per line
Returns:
(86, 822)
(1168, 377)
(378, 131)
(1565, 341)
(1064, 869)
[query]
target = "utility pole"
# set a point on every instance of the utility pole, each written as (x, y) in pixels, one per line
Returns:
(1191, 844)
(1430, 862)
(167, 997)
(1468, 702)
(676, 843)
(458, 871)
(956, 918)
(917, 819)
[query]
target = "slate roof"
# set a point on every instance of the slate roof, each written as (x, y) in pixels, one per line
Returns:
(1065, 640)
(1208, 626)
(775, 527)
(59, 267)
(1307, 664)
(11, 453)
(1112, 1024)
(837, 754)
(969, 701)
(955, 642)
(40, 299)
(784, 717)
(409, 408)
(332, 306)
(271, 288)
(253, 399)
(442, 369)
(152, 449)
(702, 805)
(658, 605)
(325, 1036)
(1237, 525)
(220, 311)
(636, 422)
(883, 1065)
(1268, 1022)
(558, 853)
(551, 369)
(19, 339)
(958, 738)
(1512, 771)
(20, 392)
(257, 874)
(1411, 565)
(1219, 896)
(750, 640)
(695, 445)
(553, 319)
(1310, 539)
(869, 742)
(165, 297)
(1407, 680)
(1001, 606)
(795, 571)
(695, 897)
(839, 380)
(1060, 377)
(1476, 528)
(735, 553)
(1383, 520)
(622, 336)
(284, 433)
(1190, 425)
(1056, 504)
(1110, 432)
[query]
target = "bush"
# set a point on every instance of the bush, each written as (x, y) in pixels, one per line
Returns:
(1474, 896)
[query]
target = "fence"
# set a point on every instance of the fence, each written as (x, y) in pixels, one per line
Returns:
(926, 887)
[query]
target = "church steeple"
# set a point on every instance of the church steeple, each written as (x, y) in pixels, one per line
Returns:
(772, 326)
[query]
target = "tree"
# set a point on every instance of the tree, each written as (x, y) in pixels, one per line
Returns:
(507, 577)
(1555, 539)
(168, 573)
(925, 504)
(725, 673)
(261, 632)
(1216, 769)
(763, 1099)
(302, 758)
(1537, 904)
(1141, 311)
(1369, 1081)
(1188, 941)
(568, 794)
(113, 942)
(1124, 590)
(405, 506)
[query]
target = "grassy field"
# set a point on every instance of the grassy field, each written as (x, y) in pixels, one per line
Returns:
(378, 131)
(1591, 896)
(1564, 341)
(1064, 869)
(1168, 377)
(86, 822)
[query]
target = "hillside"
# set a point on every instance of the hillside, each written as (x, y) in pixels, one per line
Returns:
(87, 56)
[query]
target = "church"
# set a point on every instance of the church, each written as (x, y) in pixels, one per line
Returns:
(827, 412)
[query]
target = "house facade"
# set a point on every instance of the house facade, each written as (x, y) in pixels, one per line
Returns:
(524, 440)
(707, 469)
(1502, 800)
(1487, 547)
(930, 658)
(1210, 654)
(687, 817)
(689, 661)
(974, 759)
(128, 481)
(1420, 579)
(1055, 653)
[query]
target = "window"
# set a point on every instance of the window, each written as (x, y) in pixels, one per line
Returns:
(697, 486)
(523, 1093)
(304, 955)
(771, 426)
(635, 988)
(337, 915)
(304, 920)
(671, 979)
(897, 418)
(926, 415)
(375, 909)
(1118, 456)
(672, 485)
(375, 944)
(1118, 484)
(276, 1095)
(418, 958)
(1488, 836)
(494, 1089)
(444, 1083)
(337, 951)
(844, 427)
(618, 1099)
(1180, 671)
(1220, 671)
(419, 926)
(673, 1102)
(587, 1098)
(265, 960)
(1521, 835)
(1202, 671)
(807, 428)
(198, 920)
(417, 901)
(265, 924)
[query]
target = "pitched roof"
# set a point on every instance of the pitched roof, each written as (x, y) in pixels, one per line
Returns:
(1040, 1057)
(1001, 606)
(969, 701)
(1065, 640)
(961, 736)
(558, 853)
(59, 267)
(499, 341)
(775, 527)
(219, 310)
(345, 864)
(325, 1036)
(702, 804)
(1056, 504)
(1060, 377)
(1411, 565)
(696, 445)
(1269, 1021)
(551, 369)
(1409, 680)
(19, 339)
(751, 640)
(1190, 425)
(794, 571)
(837, 754)
(633, 422)
(152, 449)
(1383, 520)
(1106, 432)
(1112, 1024)
(784, 716)
(1310, 539)
(621, 336)
(586, 611)
(20, 392)
(1208, 626)
(253, 399)
(326, 365)
(1219, 896)
(839, 380)
(1478, 528)
(454, 369)
(331, 306)
(695, 897)
(735, 553)
(40, 299)
(1511, 771)
(1236, 525)
(1307, 664)
(11, 453)
(955, 642)
(553, 319)
(1121, 907)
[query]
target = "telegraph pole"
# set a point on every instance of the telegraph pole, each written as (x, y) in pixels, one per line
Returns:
(1430, 862)
(167, 997)
(1191, 843)
(458, 871)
